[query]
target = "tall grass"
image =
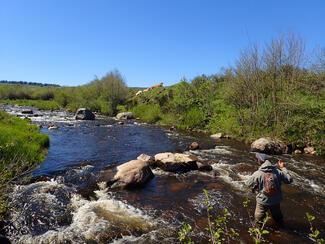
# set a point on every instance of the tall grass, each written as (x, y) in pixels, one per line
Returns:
(21, 148)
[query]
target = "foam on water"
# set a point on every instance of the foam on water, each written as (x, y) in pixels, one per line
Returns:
(37, 218)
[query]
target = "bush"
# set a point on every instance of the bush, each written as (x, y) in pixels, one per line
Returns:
(148, 113)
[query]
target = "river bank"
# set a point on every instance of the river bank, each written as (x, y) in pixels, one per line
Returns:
(22, 147)
(63, 202)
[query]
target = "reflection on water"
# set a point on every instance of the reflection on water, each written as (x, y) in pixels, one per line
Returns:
(72, 208)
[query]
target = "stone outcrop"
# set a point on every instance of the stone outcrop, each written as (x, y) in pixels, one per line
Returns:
(84, 114)
(124, 115)
(175, 162)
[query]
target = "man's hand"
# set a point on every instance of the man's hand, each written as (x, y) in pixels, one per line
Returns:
(281, 164)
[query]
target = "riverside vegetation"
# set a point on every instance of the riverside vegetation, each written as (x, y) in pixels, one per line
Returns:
(21, 148)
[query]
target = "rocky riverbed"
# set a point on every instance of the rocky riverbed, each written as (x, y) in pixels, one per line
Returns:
(68, 198)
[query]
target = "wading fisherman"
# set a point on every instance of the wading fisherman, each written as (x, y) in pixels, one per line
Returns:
(266, 182)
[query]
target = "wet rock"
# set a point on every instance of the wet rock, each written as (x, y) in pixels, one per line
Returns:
(134, 173)
(125, 115)
(121, 123)
(172, 128)
(53, 127)
(204, 167)
(194, 146)
(175, 162)
(27, 111)
(217, 136)
(269, 146)
(310, 150)
(146, 158)
(297, 151)
(84, 114)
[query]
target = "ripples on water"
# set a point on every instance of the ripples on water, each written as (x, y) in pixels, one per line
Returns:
(70, 207)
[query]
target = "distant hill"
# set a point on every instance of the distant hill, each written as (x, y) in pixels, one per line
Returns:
(27, 83)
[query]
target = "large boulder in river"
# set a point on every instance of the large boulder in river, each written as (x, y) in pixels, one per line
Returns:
(269, 146)
(134, 173)
(125, 115)
(175, 162)
(84, 114)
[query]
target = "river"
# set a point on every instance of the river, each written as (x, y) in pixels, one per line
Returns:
(65, 201)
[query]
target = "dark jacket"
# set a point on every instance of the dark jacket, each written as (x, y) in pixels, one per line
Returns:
(256, 181)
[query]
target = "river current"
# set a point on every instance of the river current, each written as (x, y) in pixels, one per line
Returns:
(66, 199)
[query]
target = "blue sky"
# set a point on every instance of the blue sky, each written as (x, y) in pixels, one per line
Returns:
(68, 42)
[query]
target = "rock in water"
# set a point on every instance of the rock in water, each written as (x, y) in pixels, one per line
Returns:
(134, 173)
(175, 162)
(125, 115)
(194, 146)
(146, 158)
(217, 136)
(269, 146)
(204, 167)
(84, 114)
(27, 111)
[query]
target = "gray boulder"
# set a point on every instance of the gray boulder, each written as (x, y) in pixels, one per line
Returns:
(84, 114)
(175, 162)
(125, 115)
(269, 146)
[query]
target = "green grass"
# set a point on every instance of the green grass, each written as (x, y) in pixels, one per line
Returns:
(40, 104)
(22, 146)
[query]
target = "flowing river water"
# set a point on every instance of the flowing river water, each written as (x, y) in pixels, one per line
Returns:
(67, 201)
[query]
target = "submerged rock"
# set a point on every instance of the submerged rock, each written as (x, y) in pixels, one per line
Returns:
(204, 167)
(134, 173)
(125, 115)
(175, 162)
(53, 127)
(269, 146)
(84, 114)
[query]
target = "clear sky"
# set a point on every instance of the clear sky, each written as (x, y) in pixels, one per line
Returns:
(68, 42)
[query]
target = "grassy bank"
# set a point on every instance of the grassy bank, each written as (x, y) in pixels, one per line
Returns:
(40, 104)
(101, 95)
(21, 148)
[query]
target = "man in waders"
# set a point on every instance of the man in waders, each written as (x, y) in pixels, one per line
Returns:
(266, 181)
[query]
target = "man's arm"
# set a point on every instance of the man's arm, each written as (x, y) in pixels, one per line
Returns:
(251, 182)
(285, 176)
